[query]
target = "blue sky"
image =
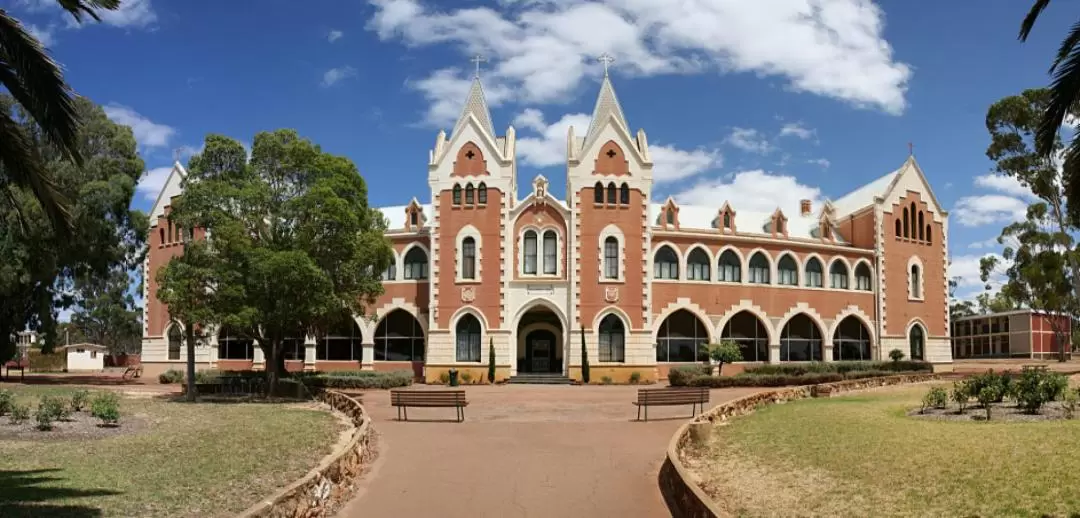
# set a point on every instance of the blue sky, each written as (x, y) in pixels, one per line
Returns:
(766, 102)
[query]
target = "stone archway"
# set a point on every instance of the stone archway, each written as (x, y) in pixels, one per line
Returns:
(540, 342)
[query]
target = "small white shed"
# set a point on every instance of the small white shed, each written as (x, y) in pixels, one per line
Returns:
(84, 357)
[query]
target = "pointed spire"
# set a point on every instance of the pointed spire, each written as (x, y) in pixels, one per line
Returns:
(607, 104)
(476, 104)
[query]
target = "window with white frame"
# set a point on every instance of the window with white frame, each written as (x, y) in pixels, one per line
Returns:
(862, 277)
(175, 341)
(551, 252)
(416, 264)
(814, 273)
(915, 290)
(759, 269)
(666, 263)
(529, 243)
(611, 258)
(787, 271)
(698, 265)
(390, 273)
(730, 267)
(838, 276)
(468, 258)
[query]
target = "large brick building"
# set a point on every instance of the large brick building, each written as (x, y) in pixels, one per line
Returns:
(650, 281)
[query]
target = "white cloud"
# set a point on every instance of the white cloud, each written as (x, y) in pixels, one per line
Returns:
(671, 164)
(796, 129)
(965, 269)
(334, 35)
(542, 50)
(446, 91)
(993, 243)
(45, 36)
(132, 13)
(973, 211)
(748, 139)
(147, 133)
(754, 190)
(335, 75)
(152, 182)
(1004, 184)
(823, 162)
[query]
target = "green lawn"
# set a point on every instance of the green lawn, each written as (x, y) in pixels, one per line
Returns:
(860, 456)
(185, 460)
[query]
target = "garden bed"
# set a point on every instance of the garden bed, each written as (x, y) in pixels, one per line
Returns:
(998, 412)
(795, 374)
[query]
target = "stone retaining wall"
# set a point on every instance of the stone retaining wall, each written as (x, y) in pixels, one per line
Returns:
(330, 484)
(684, 498)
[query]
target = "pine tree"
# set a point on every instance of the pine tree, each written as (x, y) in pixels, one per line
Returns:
(584, 359)
(491, 361)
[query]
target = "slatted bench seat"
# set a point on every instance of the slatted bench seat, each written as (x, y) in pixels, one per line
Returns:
(671, 396)
(22, 364)
(405, 398)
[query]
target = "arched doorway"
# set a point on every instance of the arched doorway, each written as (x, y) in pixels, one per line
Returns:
(917, 342)
(540, 338)
(399, 338)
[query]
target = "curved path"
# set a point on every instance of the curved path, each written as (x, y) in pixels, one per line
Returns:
(523, 451)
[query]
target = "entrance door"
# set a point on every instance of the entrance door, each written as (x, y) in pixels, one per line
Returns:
(540, 351)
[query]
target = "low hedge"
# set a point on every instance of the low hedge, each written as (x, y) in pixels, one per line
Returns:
(680, 376)
(359, 379)
(782, 380)
(799, 369)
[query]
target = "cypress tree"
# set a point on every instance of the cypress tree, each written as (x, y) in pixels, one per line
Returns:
(584, 359)
(491, 361)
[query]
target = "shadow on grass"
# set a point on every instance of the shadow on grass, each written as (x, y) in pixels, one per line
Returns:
(22, 494)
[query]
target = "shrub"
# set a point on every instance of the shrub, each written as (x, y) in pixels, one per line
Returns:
(49, 410)
(444, 377)
(365, 379)
(466, 377)
(635, 377)
(606, 380)
(680, 376)
(171, 376)
(935, 398)
(896, 355)
(20, 413)
(987, 396)
(754, 379)
(207, 376)
(960, 395)
(1069, 401)
(1038, 386)
(106, 406)
(79, 400)
(726, 351)
(844, 367)
(7, 401)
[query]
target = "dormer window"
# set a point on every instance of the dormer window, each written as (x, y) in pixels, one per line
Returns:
(670, 217)
(414, 218)
(779, 224)
(727, 220)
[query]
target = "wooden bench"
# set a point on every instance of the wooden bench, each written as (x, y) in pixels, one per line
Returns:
(21, 364)
(405, 398)
(132, 372)
(671, 396)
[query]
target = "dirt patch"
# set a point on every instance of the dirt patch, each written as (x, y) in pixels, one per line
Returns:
(80, 426)
(1052, 411)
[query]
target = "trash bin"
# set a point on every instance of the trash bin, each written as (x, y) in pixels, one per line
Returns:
(453, 378)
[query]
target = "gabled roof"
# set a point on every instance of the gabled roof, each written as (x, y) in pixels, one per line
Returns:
(699, 217)
(864, 196)
(607, 105)
(172, 187)
(476, 105)
(395, 215)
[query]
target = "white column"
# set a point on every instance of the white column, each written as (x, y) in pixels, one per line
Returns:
(258, 359)
(774, 353)
(367, 359)
(309, 352)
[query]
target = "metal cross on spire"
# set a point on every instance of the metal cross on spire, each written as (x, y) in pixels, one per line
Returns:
(607, 60)
(910, 149)
(477, 59)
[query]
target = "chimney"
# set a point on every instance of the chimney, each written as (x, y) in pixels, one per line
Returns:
(804, 207)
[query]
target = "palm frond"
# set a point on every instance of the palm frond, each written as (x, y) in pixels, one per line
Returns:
(1071, 179)
(1064, 90)
(78, 8)
(35, 81)
(1029, 20)
(22, 165)
(1066, 46)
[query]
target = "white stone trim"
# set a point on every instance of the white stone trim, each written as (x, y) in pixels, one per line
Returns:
(824, 270)
(916, 261)
(847, 265)
(405, 251)
(678, 257)
(684, 303)
(459, 259)
(560, 243)
(798, 268)
(742, 264)
(711, 264)
(772, 267)
(368, 324)
(612, 230)
(611, 310)
(856, 312)
(749, 306)
(803, 307)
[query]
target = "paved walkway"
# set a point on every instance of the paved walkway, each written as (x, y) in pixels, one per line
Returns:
(523, 451)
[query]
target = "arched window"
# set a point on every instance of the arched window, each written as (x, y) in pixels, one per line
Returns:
(813, 273)
(759, 269)
(907, 222)
(399, 338)
(914, 229)
(915, 291)
(598, 193)
(390, 274)
(457, 195)
(838, 275)
(666, 264)
(922, 235)
(161, 235)
(682, 338)
(863, 277)
(612, 192)
(612, 339)
(416, 264)
(481, 193)
(929, 238)
(851, 341)
(341, 343)
(787, 271)
(624, 194)
(746, 329)
(698, 265)
(469, 194)
(551, 252)
(730, 267)
(468, 258)
(916, 340)
(233, 346)
(898, 232)
(670, 216)
(176, 339)
(611, 258)
(529, 267)
(468, 339)
(800, 340)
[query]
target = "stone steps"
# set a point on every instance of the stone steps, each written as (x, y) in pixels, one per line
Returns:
(540, 379)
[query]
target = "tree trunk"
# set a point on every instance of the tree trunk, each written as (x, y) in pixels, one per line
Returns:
(275, 367)
(189, 337)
